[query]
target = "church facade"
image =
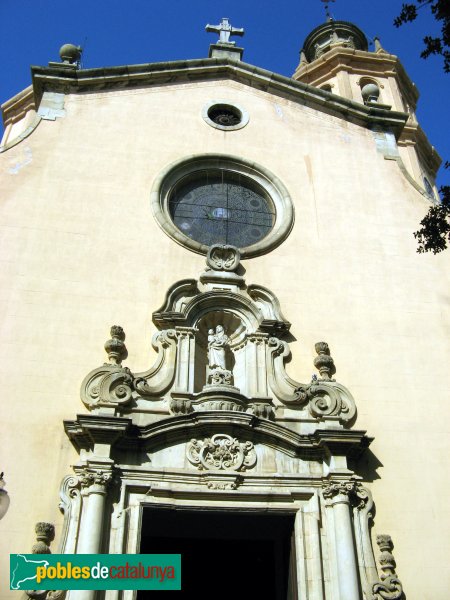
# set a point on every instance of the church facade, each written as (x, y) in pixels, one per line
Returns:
(270, 394)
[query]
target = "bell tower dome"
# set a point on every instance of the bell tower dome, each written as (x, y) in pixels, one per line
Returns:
(335, 58)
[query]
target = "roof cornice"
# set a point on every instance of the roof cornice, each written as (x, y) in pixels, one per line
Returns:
(61, 79)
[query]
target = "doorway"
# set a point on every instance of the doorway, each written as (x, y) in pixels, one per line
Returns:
(224, 554)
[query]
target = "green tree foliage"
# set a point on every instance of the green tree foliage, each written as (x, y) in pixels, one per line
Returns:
(434, 234)
(441, 12)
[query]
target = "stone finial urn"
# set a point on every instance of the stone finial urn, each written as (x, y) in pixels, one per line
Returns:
(45, 534)
(324, 362)
(115, 346)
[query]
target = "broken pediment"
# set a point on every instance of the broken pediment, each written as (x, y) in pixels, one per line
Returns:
(221, 346)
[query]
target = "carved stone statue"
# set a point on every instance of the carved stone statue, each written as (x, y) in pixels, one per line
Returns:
(217, 343)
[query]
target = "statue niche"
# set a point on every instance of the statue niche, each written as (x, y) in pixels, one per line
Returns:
(218, 344)
(215, 359)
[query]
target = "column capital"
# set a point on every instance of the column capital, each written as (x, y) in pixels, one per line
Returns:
(94, 481)
(339, 491)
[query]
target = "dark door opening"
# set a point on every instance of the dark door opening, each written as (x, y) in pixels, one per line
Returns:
(229, 555)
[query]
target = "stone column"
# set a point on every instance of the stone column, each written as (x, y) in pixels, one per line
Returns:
(337, 496)
(94, 485)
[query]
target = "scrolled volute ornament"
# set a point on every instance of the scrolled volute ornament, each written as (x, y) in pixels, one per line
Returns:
(331, 399)
(106, 386)
(116, 388)
(286, 389)
(158, 378)
(221, 452)
(110, 384)
(70, 506)
(390, 589)
(363, 500)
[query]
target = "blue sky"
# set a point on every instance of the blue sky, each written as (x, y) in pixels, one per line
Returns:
(118, 32)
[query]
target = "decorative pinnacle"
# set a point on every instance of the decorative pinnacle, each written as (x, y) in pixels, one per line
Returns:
(115, 347)
(324, 362)
(378, 47)
(225, 30)
(45, 534)
(390, 585)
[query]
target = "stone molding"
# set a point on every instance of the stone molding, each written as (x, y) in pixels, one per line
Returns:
(244, 116)
(59, 79)
(88, 430)
(225, 482)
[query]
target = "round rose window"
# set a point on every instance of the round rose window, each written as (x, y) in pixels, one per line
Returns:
(221, 207)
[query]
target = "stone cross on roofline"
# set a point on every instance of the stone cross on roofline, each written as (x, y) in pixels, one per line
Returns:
(225, 30)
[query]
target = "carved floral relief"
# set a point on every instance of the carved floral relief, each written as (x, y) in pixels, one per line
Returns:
(221, 452)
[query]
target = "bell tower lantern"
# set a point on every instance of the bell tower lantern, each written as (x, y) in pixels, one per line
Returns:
(335, 58)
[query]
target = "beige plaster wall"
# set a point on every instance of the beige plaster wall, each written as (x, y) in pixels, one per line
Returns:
(80, 251)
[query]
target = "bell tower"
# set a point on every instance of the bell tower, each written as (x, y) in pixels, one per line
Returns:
(336, 58)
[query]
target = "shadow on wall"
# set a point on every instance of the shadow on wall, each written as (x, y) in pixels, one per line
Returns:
(366, 466)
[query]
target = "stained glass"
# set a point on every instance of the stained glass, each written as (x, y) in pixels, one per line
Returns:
(221, 207)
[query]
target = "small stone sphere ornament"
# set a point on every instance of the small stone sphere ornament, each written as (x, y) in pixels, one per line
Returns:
(370, 92)
(70, 53)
